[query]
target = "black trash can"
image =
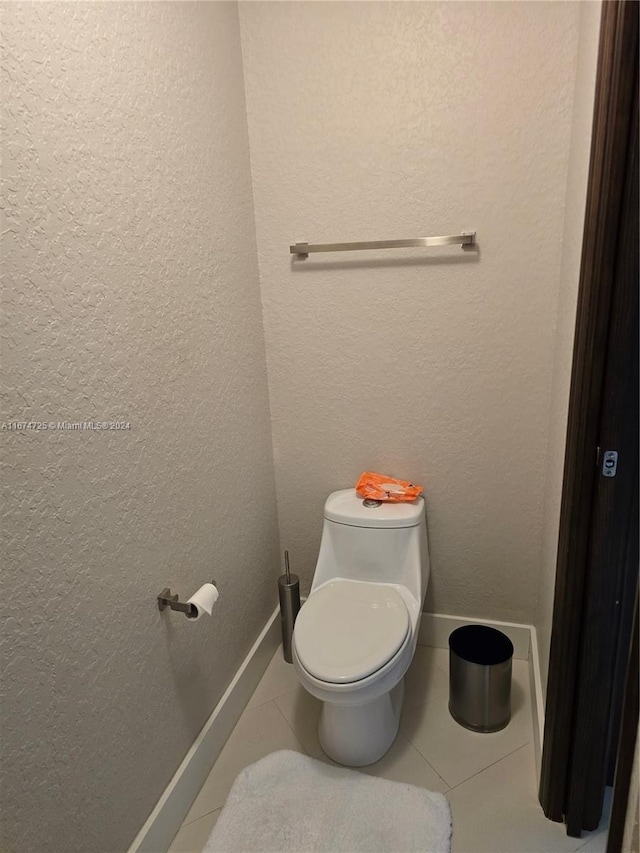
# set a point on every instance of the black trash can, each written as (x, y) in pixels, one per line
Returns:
(480, 678)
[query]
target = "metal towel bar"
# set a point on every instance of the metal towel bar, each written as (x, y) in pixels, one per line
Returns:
(466, 238)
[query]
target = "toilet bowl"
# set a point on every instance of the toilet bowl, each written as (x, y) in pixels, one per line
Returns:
(355, 635)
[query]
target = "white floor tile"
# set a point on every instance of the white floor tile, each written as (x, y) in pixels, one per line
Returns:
(440, 657)
(457, 753)
(497, 811)
(279, 678)
(429, 670)
(403, 763)
(193, 836)
(596, 843)
(302, 711)
(258, 732)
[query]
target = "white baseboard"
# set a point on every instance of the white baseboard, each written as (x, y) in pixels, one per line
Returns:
(537, 699)
(435, 629)
(165, 820)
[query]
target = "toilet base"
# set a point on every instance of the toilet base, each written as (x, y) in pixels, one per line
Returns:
(357, 735)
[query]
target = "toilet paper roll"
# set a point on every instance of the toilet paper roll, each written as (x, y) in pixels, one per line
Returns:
(204, 599)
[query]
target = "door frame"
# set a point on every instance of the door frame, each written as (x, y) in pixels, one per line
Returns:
(612, 124)
(626, 745)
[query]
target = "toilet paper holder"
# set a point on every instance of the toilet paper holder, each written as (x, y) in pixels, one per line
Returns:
(166, 599)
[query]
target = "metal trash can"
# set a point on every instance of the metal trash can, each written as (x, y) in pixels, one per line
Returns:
(480, 678)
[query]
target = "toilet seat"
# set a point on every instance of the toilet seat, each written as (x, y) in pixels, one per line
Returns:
(347, 630)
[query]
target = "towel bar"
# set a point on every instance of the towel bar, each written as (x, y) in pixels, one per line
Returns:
(466, 238)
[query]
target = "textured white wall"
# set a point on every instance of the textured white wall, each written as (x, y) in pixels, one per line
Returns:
(130, 291)
(380, 120)
(576, 194)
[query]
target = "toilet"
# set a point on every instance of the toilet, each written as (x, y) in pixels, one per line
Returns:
(356, 634)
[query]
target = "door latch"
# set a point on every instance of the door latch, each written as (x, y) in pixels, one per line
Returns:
(609, 463)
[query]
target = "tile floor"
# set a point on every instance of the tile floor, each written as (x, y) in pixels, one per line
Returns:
(489, 779)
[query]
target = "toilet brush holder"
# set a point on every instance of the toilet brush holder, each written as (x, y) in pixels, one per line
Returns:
(289, 592)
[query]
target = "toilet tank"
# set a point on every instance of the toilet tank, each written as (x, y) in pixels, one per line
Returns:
(381, 544)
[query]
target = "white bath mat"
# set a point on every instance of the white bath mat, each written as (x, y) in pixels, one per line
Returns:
(290, 803)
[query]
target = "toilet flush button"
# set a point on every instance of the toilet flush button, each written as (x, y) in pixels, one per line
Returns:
(370, 503)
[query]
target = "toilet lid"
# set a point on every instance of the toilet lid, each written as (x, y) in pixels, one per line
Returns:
(348, 629)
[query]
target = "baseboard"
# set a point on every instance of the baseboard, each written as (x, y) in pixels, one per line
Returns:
(165, 820)
(537, 699)
(435, 629)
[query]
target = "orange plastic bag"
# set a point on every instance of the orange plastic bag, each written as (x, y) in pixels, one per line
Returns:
(378, 487)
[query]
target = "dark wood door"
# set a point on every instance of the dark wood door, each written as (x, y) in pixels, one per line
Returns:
(597, 562)
(612, 561)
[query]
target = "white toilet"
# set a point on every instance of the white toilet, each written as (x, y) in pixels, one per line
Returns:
(355, 636)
